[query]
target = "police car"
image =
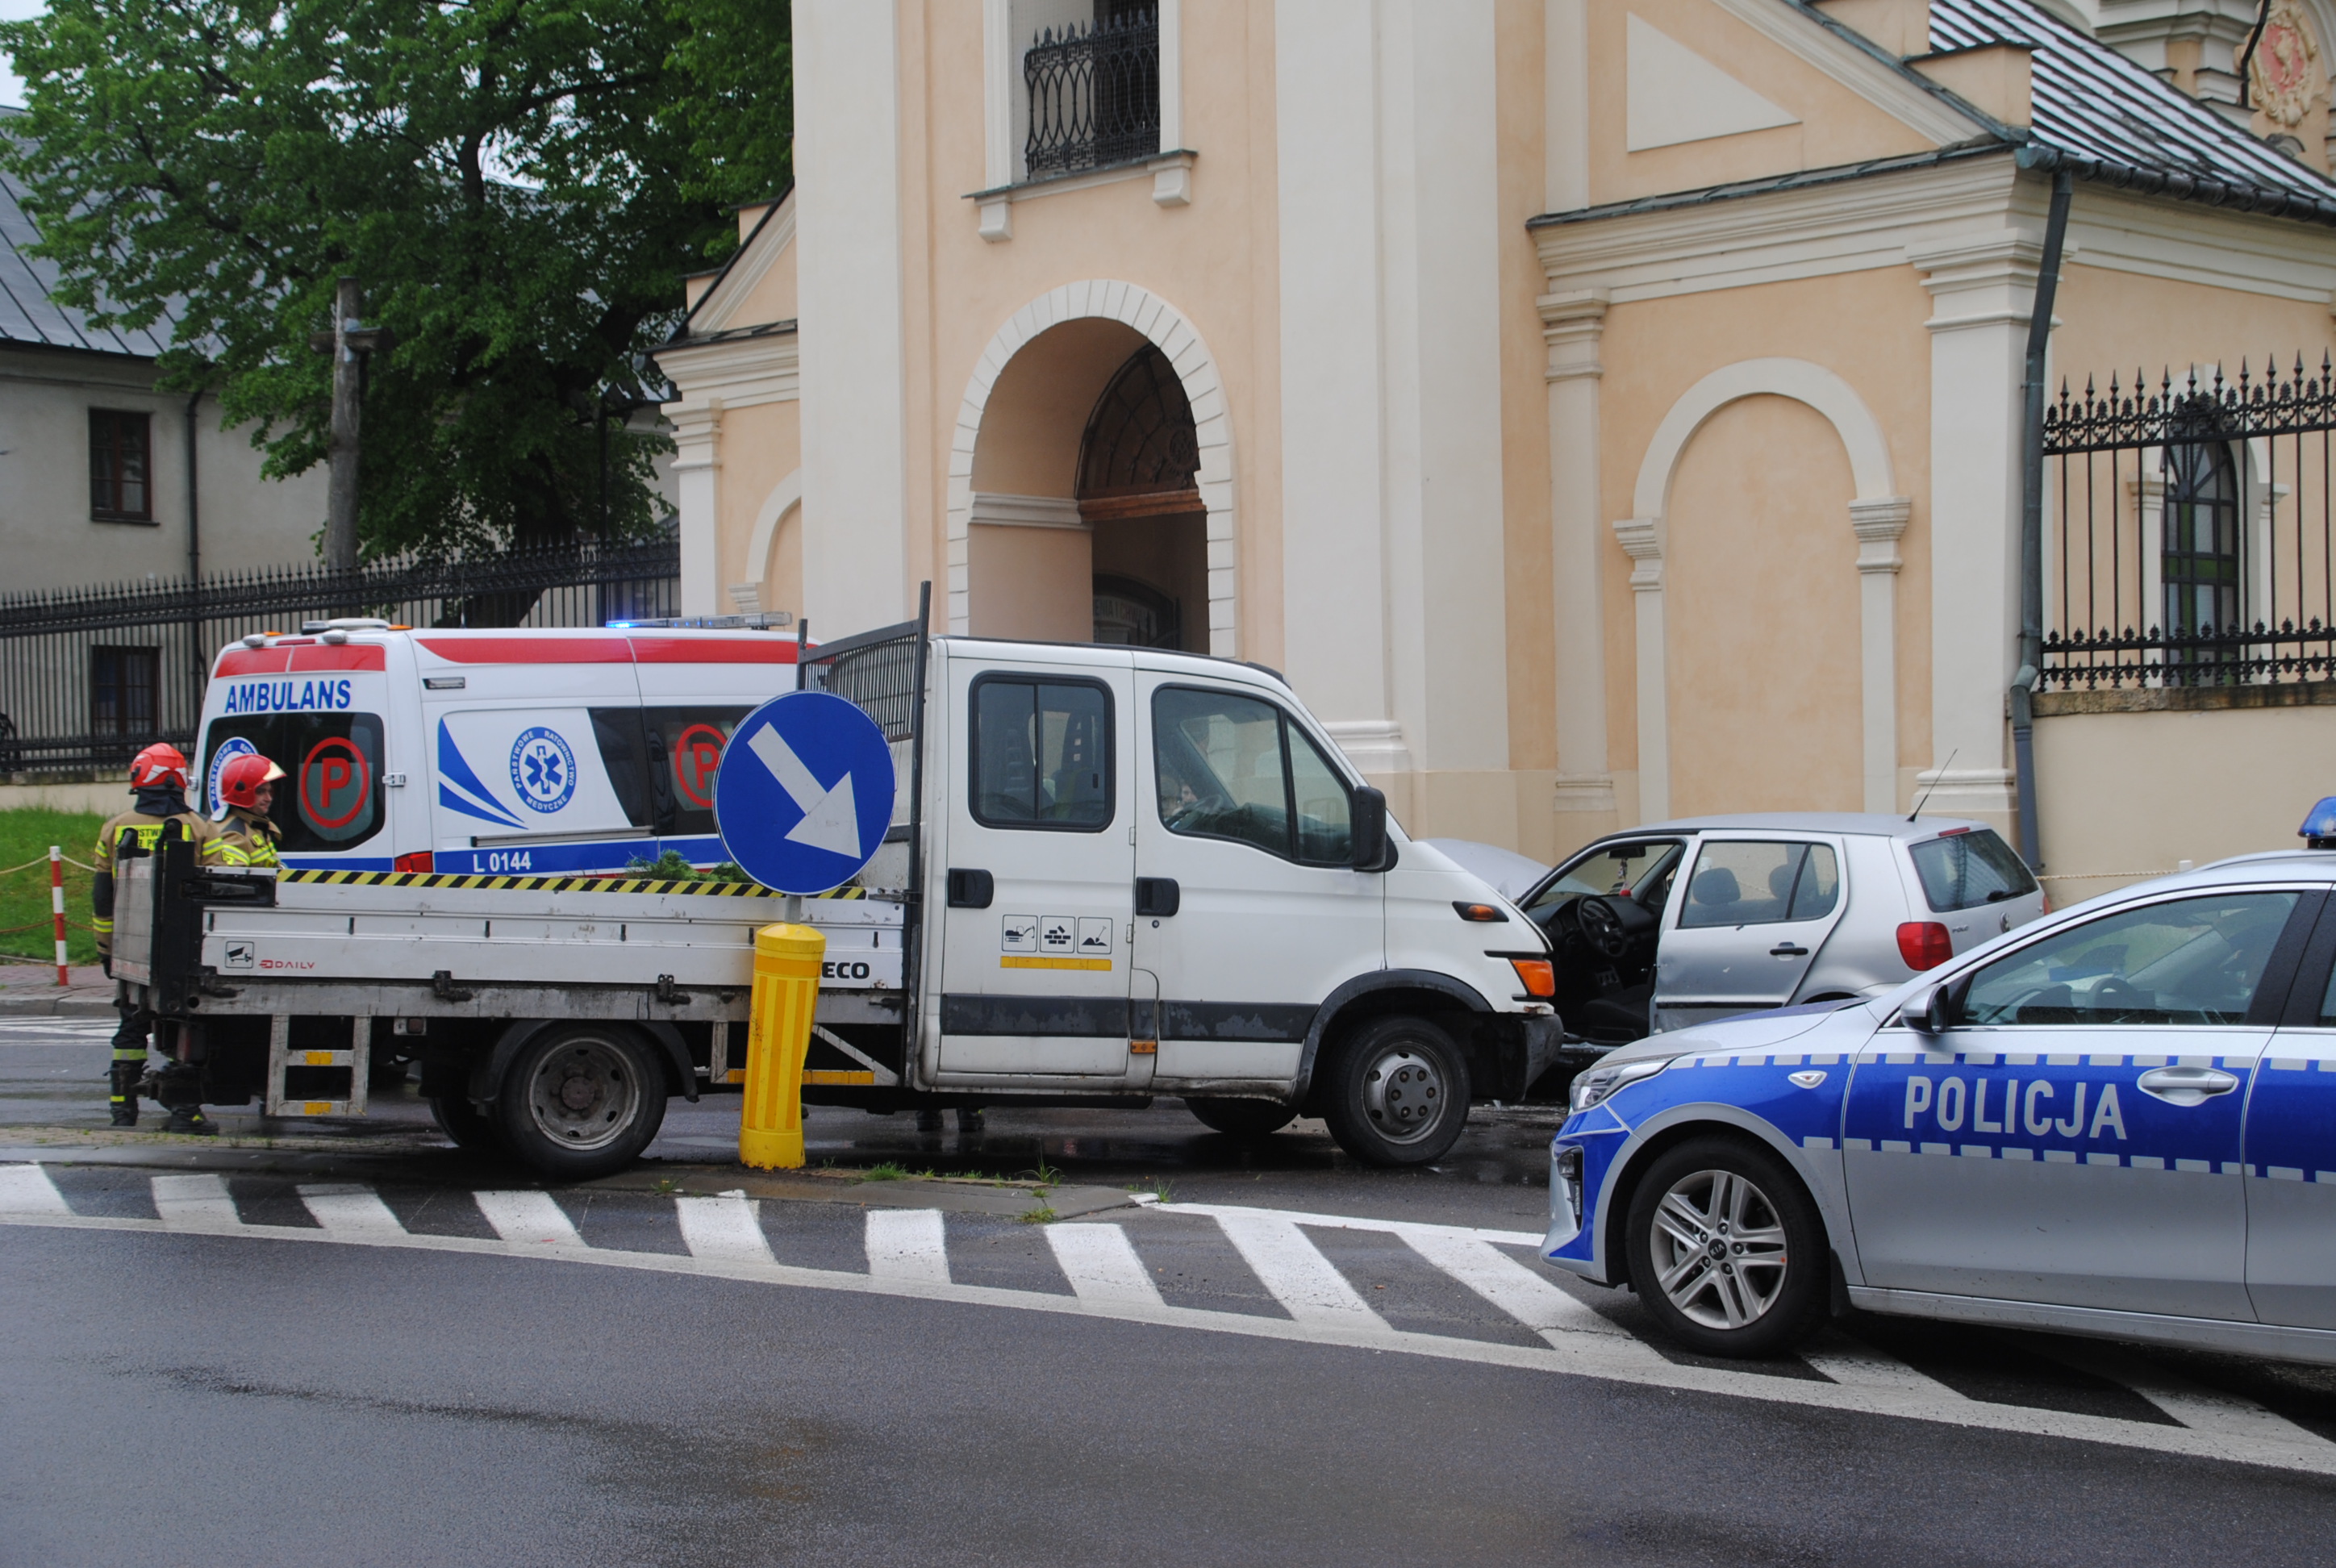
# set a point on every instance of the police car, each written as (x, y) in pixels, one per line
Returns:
(2119, 1120)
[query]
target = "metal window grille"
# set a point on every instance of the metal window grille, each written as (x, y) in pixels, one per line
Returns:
(1094, 94)
(73, 699)
(2190, 535)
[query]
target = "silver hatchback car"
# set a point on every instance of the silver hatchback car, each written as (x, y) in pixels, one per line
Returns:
(1679, 923)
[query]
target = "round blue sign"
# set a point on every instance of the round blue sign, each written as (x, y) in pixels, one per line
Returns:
(543, 769)
(804, 793)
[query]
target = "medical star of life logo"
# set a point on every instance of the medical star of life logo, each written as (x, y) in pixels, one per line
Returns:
(543, 769)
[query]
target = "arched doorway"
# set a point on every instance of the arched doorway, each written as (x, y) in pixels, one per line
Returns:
(1059, 384)
(1138, 493)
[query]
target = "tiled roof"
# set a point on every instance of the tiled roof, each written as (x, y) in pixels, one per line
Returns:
(2103, 113)
(27, 313)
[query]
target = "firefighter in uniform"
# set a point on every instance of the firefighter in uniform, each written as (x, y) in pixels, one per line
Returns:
(158, 777)
(248, 836)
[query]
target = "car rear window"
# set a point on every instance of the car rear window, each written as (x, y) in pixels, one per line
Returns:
(1961, 870)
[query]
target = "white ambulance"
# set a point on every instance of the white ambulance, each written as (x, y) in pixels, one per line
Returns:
(551, 752)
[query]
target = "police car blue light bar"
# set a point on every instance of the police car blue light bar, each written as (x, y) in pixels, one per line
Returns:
(2319, 829)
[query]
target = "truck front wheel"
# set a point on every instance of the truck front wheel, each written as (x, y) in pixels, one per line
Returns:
(581, 1101)
(1398, 1093)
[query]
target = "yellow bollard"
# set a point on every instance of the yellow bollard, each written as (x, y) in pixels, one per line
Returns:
(778, 1035)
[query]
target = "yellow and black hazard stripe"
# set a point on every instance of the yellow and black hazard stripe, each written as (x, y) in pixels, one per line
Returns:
(554, 884)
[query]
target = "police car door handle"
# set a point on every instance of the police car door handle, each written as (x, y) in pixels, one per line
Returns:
(2187, 1085)
(1788, 951)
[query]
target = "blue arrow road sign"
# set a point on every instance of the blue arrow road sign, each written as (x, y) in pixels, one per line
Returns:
(804, 793)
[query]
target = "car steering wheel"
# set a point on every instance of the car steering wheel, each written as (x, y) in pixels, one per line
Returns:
(1207, 804)
(1601, 925)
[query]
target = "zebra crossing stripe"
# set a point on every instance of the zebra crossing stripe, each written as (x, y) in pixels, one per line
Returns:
(531, 1219)
(1856, 1366)
(729, 1227)
(196, 1202)
(1507, 1284)
(350, 1211)
(1306, 1283)
(1101, 1265)
(907, 1244)
(27, 1190)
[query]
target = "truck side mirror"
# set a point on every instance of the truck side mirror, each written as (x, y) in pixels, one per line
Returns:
(1369, 850)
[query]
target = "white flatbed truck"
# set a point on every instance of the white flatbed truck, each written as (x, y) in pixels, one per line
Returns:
(1114, 874)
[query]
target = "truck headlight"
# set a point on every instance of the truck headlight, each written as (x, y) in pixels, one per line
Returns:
(1601, 1083)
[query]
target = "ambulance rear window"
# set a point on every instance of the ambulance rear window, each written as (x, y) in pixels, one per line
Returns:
(1961, 870)
(330, 798)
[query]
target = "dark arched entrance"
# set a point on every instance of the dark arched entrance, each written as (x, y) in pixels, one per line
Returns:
(1137, 494)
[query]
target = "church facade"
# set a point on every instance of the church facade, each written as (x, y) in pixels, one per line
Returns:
(1599, 410)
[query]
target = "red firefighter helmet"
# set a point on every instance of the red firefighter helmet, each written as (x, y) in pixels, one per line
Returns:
(239, 781)
(159, 764)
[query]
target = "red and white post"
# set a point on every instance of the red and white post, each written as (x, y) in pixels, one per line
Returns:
(57, 905)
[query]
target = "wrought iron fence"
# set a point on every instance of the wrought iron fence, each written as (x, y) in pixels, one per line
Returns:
(89, 675)
(1094, 94)
(2190, 539)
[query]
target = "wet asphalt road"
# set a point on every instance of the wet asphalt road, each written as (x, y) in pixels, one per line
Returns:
(200, 1398)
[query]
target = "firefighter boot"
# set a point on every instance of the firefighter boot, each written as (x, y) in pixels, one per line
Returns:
(182, 1091)
(123, 1093)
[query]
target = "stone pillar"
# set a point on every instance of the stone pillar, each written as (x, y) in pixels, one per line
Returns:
(1878, 525)
(1572, 326)
(698, 479)
(1982, 288)
(1641, 540)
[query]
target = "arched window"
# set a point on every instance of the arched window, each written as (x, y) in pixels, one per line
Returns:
(2200, 564)
(1140, 440)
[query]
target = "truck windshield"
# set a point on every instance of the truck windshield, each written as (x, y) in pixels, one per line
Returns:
(330, 798)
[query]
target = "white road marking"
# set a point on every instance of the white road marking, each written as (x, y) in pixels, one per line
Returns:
(727, 1226)
(1101, 1265)
(1854, 1364)
(2200, 1408)
(197, 1203)
(1309, 1289)
(1865, 1382)
(1349, 1222)
(342, 1207)
(530, 1219)
(27, 1190)
(1531, 1299)
(907, 1244)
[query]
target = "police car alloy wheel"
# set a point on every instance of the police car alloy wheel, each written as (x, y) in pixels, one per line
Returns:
(1726, 1250)
(582, 1101)
(1397, 1093)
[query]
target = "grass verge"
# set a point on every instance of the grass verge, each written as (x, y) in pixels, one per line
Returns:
(26, 835)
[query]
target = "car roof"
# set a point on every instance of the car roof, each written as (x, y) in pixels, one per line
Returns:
(1874, 824)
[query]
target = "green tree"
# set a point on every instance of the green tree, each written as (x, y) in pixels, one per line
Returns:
(519, 185)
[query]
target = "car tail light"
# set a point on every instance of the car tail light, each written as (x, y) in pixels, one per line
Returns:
(1538, 976)
(419, 861)
(1924, 945)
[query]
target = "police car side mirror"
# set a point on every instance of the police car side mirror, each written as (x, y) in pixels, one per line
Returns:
(1369, 846)
(1930, 1012)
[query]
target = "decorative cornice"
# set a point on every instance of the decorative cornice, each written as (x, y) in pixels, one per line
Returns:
(1641, 540)
(1025, 511)
(739, 372)
(1572, 324)
(1879, 523)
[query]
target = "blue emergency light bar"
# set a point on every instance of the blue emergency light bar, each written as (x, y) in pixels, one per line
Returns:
(2319, 829)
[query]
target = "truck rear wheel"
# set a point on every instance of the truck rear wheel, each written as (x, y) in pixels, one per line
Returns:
(470, 1128)
(581, 1101)
(1397, 1093)
(1242, 1118)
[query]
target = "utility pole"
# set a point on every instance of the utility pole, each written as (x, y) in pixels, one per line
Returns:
(349, 342)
